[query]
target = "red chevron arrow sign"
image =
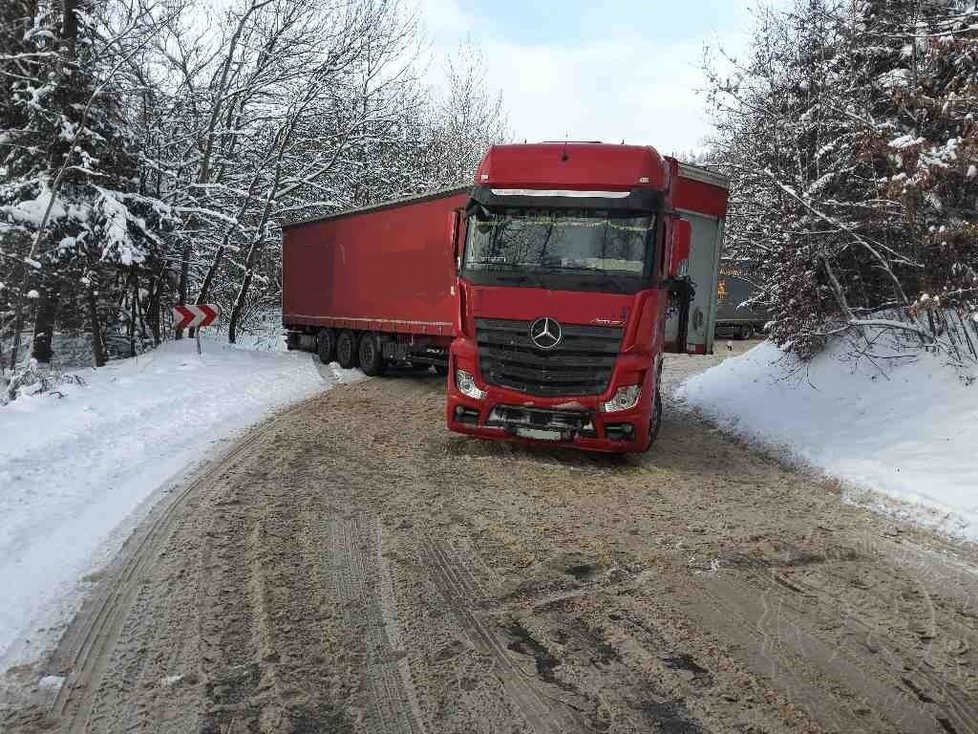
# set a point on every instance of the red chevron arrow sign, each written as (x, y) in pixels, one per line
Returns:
(186, 316)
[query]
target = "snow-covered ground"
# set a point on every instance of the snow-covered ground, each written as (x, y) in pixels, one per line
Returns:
(78, 471)
(907, 429)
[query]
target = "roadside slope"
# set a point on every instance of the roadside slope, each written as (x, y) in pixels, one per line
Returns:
(76, 465)
(905, 426)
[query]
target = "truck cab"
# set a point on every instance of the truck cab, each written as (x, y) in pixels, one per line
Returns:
(569, 257)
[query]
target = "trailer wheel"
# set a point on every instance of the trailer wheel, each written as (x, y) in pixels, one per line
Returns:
(346, 349)
(371, 356)
(656, 422)
(326, 345)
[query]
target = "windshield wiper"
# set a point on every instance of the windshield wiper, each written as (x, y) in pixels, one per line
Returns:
(616, 278)
(588, 269)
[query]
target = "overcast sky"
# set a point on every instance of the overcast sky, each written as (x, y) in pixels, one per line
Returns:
(596, 69)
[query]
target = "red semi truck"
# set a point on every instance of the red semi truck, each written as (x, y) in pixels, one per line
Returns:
(547, 291)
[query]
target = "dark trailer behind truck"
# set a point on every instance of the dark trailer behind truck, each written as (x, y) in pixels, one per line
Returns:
(735, 318)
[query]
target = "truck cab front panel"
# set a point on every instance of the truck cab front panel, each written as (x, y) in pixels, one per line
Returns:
(533, 374)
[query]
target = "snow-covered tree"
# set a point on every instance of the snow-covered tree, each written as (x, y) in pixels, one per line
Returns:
(150, 151)
(848, 138)
(70, 190)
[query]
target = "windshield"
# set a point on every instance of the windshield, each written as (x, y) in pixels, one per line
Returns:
(558, 240)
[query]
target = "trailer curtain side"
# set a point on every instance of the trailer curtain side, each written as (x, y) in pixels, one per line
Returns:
(384, 268)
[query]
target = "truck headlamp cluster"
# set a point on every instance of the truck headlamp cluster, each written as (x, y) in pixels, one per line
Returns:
(466, 385)
(624, 398)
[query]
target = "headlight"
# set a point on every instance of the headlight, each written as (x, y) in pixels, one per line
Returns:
(466, 385)
(624, 398)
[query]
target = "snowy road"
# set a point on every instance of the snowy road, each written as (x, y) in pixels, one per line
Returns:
(339, 572)
(79, 467)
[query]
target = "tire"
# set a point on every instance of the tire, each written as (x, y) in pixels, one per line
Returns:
(326, 345)
(371, 356)
(656, 422)
(346, 349)
(750, 332)
(441, 370)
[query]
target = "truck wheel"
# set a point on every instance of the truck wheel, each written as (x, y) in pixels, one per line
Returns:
(346, 349)
(326, 345)
(750, 332)
(371, 356)
(656, 422)
(441, 370)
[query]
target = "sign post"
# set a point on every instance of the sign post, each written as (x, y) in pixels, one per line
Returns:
(195, 316)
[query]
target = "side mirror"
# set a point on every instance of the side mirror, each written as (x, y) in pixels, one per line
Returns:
(682, 238)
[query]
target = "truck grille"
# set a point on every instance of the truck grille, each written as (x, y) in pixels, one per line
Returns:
(580, 365)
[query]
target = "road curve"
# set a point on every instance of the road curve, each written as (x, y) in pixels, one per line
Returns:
(348, 566)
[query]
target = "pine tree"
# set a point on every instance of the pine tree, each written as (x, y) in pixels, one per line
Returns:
(73, 184)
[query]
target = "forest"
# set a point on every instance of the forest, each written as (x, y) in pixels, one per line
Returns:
(849, 132)
(150, 151)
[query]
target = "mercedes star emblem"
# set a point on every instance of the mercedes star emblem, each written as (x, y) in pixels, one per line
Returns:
(546, 333)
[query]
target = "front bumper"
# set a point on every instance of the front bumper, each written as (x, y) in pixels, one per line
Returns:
(573, 422)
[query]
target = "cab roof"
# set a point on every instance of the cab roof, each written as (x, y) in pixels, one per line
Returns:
(573, 166)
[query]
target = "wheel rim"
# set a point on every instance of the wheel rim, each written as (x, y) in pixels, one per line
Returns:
(325, 345)
(345, 349)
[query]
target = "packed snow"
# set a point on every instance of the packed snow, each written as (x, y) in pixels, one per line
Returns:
(80, 466)
(903, 427)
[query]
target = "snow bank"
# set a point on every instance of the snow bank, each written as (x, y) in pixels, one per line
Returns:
(76, 473)
(908, 429)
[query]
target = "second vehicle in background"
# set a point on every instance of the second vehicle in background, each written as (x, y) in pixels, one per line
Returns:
(736, 318)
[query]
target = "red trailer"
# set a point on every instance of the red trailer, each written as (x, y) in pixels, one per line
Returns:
(374, 284)
(548, 290)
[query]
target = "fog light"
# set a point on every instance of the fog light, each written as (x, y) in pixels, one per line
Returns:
(624, 398)
(466, 385)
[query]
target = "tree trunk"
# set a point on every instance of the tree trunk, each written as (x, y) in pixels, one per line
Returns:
(134, 295)
(69, 23)
(184, 278)
(140, 309)
(153, 307)
(44, 318)
(239, 300)
(20, 313)
(98, 340)
(18, 331)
